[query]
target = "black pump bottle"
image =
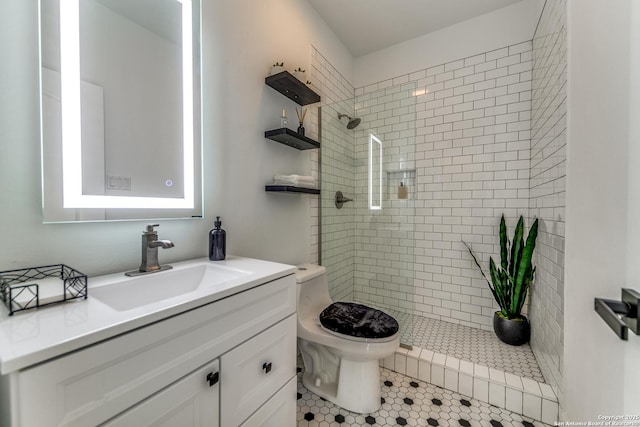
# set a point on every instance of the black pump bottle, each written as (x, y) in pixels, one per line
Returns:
(217, 242)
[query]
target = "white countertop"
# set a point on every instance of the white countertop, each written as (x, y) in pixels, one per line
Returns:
(36, 335)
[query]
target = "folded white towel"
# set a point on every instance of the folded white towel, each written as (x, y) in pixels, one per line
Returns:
(297, 184)
(303, 184)
(295, 180)
(295, 177)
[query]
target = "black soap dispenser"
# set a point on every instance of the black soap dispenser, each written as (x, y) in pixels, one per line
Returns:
(217, 242)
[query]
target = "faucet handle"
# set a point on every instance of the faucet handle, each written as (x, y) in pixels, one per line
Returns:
(150, 228)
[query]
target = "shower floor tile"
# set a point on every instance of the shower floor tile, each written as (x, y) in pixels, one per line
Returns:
(407, 402)
(466, 343)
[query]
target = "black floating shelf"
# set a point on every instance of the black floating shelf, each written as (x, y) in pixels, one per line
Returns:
(291, 138)
(291, 189)
(292, 88)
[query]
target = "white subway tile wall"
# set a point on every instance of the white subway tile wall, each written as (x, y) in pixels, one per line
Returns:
(547, 187)
(337, 153)
(463, 129)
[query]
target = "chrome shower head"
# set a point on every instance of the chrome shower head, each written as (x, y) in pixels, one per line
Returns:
(353, 123)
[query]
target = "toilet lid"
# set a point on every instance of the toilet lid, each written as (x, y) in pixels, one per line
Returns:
(357, 320)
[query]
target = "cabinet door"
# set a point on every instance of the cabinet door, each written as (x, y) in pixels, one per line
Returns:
(192, 401)
(254, 371)
(279, 411)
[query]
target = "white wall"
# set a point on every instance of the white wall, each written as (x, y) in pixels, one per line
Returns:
(241, 40)
(503, 27)
(599, 370)
(249, 37)
(632, 354)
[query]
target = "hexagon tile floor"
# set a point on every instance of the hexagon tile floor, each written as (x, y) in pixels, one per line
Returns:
(407, 402)
(470, 344)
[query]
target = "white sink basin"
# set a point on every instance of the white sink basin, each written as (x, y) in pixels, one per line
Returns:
(139, 291)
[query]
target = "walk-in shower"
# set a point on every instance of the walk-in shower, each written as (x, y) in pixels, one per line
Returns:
(395, 247)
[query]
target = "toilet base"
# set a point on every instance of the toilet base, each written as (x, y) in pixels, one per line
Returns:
(357, 388)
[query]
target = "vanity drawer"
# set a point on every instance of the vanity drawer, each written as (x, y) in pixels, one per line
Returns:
(254, 371)
(279, 411)
(92, 385)
(190, 402)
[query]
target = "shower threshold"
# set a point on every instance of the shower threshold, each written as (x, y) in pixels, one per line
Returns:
(474, 363)
(467, 343)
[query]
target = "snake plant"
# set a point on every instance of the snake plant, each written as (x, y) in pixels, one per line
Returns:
(510, 281)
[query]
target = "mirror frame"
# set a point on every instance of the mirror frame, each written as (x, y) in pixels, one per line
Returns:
(72, 196)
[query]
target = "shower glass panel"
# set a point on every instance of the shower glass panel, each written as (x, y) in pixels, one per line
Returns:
(368, 244)
(337, 173)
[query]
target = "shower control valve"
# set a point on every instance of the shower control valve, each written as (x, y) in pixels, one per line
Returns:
(341, 200)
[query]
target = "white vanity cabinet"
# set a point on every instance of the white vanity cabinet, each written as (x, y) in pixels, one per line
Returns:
(227, 363)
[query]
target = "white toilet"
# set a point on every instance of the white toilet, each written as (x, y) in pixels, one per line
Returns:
(339, 367)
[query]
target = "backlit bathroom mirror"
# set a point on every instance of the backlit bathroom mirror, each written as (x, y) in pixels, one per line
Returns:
(120, 109)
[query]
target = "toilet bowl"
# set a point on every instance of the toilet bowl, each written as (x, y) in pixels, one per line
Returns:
(340, 366)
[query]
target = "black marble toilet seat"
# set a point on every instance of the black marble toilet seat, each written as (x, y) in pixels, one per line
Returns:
(357, 320)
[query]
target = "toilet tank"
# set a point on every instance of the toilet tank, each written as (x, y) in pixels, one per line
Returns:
(313, 289)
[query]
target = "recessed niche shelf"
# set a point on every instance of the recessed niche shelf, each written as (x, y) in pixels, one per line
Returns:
(405, 176)
(291, 189)
(292, 88)
(291, 138)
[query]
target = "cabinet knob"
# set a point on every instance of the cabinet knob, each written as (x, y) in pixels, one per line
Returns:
(266, 367)
(213, 378)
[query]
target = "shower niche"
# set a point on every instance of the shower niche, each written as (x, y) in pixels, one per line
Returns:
(396, 179)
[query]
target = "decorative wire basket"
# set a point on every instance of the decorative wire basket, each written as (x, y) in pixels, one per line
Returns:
(21, 289)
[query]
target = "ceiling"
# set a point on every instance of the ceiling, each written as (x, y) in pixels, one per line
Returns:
(365, 26)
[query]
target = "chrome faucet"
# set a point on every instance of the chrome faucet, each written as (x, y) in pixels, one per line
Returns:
(150, 245)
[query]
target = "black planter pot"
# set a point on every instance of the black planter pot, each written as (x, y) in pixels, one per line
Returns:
(511, 331)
